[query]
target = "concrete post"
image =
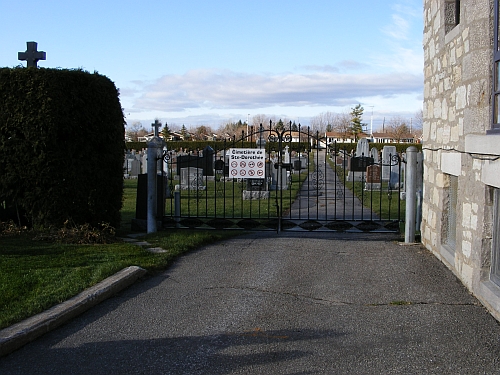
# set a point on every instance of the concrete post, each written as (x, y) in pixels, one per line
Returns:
(155, 148)
(177, 206)
(411, 193)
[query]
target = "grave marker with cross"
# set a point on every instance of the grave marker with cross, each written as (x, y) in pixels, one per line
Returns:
(31, 55)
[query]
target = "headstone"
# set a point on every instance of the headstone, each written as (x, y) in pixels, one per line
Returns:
(219, 166)
(390, 167)
(256, 184)
(287, 155)
(279, 182)
(362, 159)
(363, 148)
(373, 177)
(375, 155)
(256, 189)
(144, 163)
(135, 168)
(192, 179)
(205, 162)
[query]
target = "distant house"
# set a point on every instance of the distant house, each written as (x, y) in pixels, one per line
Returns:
(461, 142)
(174, 136)
(336, 137)
(389, 138)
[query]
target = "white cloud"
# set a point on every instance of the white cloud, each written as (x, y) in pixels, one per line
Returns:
(398, 29)
(213, 89)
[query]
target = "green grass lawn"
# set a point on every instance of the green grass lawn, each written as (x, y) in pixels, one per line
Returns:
(225, 200)
(37, 275)
(384, 202)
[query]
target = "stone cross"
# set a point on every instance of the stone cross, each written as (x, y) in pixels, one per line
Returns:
(31, 55)
(156, 125)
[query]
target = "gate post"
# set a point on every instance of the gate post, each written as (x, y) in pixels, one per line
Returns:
(411, 193)
(154, 153)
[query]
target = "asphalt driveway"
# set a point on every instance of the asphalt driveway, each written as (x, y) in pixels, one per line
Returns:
(293, 303)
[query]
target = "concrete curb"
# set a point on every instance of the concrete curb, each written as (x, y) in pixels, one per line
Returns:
(17, 335)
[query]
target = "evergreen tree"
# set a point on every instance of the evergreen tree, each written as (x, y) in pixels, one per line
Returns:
(184, 133)
(295, 128)
(165, 132)
(280, 126)
(356, 120)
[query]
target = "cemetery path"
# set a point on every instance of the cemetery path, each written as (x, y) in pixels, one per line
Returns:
(294, 303)
(324, 196)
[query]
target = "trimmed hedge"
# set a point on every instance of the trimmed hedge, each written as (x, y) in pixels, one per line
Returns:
(195, 145)
(400, 147)
(61, 147)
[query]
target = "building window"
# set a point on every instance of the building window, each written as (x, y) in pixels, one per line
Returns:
(451, 14)
(450, 214)
(495, 250)
(496, 70)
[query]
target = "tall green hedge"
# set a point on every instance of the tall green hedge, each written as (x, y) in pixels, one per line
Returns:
(61, 146)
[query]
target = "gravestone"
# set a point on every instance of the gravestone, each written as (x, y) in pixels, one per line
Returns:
(343, 159)
(287, 155)
(390, 167)
(144, 162)
(361, 160)
(192, 179)
(256, 189)
(279, 182)
(298, 163)
(374, 154)
(205, 162)
(135, 168)
(363, 147)
(220, 167)
(373, 177)
(141, 204)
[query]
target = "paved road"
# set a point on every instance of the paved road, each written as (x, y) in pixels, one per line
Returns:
(324, 196)
(280, 304)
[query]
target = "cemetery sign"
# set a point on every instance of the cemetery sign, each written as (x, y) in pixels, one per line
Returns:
(247, 163)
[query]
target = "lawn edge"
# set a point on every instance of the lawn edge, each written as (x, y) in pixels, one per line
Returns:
(19, 334)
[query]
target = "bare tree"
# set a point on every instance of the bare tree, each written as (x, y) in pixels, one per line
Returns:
(259, 119)
(321, 122)
(397, 127)
(341, 124)
(418, 119)
(231, 129)
(135, 131)
(202, 131)
(418, 123)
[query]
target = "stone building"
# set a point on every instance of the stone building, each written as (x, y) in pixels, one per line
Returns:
(461, 142)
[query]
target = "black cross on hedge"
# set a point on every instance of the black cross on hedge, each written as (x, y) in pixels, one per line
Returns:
(31, 55)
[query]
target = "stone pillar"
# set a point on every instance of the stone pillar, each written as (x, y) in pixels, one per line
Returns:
(155, 152)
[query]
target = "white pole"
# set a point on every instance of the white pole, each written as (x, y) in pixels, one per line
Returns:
(371, 123)
(411, 193)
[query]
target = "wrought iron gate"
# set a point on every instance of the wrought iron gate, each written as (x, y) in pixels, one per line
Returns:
(306, 184)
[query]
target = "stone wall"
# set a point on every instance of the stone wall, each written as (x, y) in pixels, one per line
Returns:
(457, 116)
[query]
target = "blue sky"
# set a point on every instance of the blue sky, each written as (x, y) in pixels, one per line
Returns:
(206, 62)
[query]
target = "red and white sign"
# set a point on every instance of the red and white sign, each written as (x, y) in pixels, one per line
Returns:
(247, 162)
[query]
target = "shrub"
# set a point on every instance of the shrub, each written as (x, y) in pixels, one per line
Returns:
(61, 146)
